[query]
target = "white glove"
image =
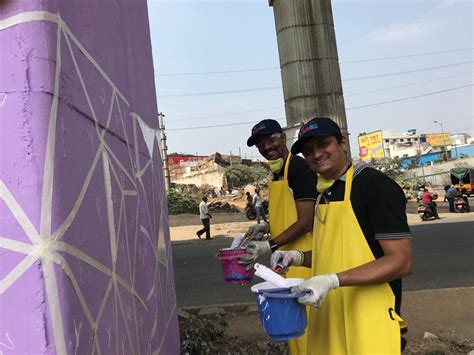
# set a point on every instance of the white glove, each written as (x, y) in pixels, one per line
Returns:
(258, 229)
(284, 259)
(253, 251)
(318, 287)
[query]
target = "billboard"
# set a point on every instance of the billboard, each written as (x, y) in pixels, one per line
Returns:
(371, 146)
(439, 139)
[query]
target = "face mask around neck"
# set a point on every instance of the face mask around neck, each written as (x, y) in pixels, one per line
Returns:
(276, 165)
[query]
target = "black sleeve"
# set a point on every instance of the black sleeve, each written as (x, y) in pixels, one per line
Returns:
(386, 207)
(302, 180)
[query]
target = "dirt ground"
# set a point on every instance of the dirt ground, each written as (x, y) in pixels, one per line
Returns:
(184, 226)
(439, 322)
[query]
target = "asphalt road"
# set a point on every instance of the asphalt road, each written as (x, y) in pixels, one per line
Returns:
(443, 258)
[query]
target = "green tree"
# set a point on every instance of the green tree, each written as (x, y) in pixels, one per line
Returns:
(240, 175)
(407, 179)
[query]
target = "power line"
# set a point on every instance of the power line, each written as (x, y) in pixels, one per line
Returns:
(407, 85)
(349, 108)
(229, 113)
(219, 125)
(342, 62)
(222, 92)
(406, 56)
(409, 98)
(406, 71)
(348, 95)
(344, 80)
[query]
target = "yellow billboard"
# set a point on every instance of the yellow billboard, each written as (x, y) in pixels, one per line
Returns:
(371, 146)
(439, 139)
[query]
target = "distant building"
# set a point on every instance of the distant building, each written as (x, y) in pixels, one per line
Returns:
(178, 158)
(460, 139)
(400, 145)
(388, 144)
(208, 170)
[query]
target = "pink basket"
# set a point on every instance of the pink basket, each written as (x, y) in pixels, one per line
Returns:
(234, 273)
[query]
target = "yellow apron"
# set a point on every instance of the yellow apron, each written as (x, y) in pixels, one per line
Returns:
(354, 319)
(282, 213)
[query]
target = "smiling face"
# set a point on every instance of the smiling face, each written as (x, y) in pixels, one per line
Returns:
(326, 155)
(273, 147)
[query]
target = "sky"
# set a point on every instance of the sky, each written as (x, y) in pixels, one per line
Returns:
(191, 37)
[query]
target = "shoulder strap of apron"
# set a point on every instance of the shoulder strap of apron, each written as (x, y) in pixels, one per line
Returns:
(287, 165)
(349, 174)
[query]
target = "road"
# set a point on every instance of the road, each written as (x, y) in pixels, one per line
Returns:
(443, 258)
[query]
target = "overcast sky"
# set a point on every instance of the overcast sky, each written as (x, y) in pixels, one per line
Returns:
(197, 36)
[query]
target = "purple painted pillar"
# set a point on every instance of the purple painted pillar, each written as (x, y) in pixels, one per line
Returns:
(85, 257)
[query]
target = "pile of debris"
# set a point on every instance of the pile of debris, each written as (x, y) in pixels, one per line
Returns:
(222, 206)
(179, 203)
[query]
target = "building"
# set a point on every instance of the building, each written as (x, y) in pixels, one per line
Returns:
(399, 145)
(208, 171)
(388, 144)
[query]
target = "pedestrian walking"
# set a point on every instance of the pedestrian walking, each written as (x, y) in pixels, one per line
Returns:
(258, 205)
(205, 217)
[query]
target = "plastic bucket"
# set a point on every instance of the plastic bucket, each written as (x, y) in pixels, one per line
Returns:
(282, 317)
(234, 273)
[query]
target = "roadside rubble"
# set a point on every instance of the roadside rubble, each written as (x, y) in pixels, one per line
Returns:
(236, 329)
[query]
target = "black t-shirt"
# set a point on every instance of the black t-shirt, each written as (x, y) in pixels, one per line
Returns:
(379, 205)
(301, 179)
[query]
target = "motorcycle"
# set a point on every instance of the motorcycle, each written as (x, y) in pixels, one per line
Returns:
(425, 212)
(252, 214)
(461, 204)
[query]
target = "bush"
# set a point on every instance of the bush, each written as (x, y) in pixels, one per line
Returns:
(179, 203)
(240, 175)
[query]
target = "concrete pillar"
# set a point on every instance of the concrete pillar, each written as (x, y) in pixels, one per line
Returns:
(308, 59)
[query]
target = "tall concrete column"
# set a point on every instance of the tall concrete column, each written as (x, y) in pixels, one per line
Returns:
(308, 59)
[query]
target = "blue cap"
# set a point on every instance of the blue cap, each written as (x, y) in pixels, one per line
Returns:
(320, 126)
(262, 129)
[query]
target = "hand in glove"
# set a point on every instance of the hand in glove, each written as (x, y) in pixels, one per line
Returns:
(253, 251)
(318, 287)
(284, 259)
(257, 231)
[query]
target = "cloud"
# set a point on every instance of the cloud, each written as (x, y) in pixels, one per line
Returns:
(399, 32)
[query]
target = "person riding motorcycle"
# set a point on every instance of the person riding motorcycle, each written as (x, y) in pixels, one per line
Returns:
(427, 198)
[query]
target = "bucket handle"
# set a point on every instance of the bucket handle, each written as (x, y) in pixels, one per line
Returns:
(218, 256)
(282, 295)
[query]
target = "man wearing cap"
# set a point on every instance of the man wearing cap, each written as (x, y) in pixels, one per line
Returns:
(361, 250)
(292, 196)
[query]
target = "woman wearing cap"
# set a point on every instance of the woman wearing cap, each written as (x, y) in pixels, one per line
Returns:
(292, 196)
(361, 250)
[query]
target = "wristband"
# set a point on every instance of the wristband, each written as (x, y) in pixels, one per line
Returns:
(273, 245)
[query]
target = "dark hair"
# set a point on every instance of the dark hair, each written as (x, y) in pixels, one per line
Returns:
(339, 138)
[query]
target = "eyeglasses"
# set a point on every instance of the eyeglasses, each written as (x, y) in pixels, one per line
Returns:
(269, 139)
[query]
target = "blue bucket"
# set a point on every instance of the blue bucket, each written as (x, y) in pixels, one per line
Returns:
(282, 317)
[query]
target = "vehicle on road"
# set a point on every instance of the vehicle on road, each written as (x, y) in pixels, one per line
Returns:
(463, 179)
(461, 204)
(425, 212)
(252, 214)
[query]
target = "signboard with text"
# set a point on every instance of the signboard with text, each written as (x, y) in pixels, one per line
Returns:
(439, 139)
(371, 146)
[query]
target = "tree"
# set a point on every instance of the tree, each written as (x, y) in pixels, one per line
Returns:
(407, 179)
(240, 175)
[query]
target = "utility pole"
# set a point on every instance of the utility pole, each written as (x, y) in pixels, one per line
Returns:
(164, 150)
(309, 63)
(445, 153)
